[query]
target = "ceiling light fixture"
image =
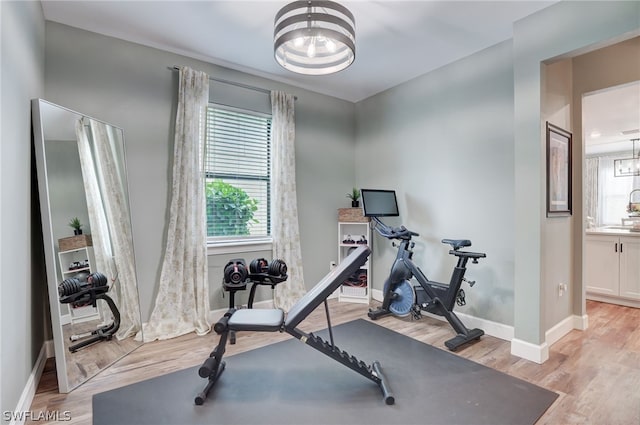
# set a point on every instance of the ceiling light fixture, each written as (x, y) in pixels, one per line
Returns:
(314, 37)
(628, 166)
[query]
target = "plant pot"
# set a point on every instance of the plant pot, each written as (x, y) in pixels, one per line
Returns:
(355, 204)
(77, 232)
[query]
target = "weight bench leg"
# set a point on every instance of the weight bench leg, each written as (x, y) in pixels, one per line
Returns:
(201, 397)
(373, 372)
(213, 366)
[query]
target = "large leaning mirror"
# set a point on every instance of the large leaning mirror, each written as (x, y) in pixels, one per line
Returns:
(88, 242)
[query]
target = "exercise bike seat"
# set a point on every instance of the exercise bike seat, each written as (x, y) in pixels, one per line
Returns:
(456, 244)
(253, 319)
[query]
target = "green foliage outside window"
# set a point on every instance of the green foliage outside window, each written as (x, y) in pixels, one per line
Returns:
(229, 209)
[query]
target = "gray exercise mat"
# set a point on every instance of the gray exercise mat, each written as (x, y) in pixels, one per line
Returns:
(290, 383)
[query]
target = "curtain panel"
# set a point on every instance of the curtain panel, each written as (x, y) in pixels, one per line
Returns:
(285, 229)
(182, 303)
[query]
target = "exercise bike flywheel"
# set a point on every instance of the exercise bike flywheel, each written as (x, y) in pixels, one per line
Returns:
(403, 298)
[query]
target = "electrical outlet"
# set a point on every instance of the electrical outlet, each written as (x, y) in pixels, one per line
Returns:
(562, 288)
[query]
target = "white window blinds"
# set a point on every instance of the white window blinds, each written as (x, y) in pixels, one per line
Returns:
(238, 173)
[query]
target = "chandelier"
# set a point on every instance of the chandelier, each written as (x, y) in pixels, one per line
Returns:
(314, 37)
(628, 166)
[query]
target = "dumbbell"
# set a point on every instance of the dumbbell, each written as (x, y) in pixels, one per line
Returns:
(235, 272)
(277, 268)
(259, 265)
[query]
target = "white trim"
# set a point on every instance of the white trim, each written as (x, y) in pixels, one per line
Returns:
(613, 300)
(377, 294)
(236, 247)
(29, 391)
(581, 323)
(65, 319)
(50, 349)
(528, 351)
(562, 328)
(495, 329)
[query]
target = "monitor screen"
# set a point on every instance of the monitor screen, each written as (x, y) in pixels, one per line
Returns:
(379, 203)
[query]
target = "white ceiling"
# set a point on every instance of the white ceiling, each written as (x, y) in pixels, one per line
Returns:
(611, 118)
(395, 40)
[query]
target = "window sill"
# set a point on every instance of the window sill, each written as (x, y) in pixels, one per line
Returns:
(234, 247)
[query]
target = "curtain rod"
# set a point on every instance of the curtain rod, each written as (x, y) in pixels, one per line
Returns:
(233, 83)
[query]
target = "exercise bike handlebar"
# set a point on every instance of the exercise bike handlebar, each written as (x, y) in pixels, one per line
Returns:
(393, 232)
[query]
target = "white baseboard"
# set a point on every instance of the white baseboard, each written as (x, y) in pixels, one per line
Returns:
(540, 353)
(528, 351)
(613, 300)
(581, 323)
(554, 334)
(50, 349)
(29, 391)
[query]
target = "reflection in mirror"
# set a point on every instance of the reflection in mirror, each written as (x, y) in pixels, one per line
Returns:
(86, 224)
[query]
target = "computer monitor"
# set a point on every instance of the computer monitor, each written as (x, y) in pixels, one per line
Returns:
(379, 203)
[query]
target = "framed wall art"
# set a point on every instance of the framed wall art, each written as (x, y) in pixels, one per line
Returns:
(558, 171)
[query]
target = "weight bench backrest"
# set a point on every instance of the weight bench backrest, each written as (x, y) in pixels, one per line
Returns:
(326, 286)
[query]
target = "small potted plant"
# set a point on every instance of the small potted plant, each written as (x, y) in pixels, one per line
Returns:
(76, 225)
(354, 196)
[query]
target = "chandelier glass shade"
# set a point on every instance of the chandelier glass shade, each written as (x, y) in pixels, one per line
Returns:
(314, 37)
(628, 166)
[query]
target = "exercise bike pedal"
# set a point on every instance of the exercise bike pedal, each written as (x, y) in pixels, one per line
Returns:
(415, 312)
(459, 340)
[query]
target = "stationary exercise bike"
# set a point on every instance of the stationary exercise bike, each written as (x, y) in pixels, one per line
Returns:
(401, 298)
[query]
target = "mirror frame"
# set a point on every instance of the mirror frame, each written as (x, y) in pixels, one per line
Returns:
(49, 243)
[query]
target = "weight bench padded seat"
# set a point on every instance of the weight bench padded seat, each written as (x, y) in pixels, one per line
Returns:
(271, 320)
(262, 320)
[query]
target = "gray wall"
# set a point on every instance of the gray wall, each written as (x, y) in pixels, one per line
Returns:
(23, 307)
(597, 70)
(465, 166)
(444, 142)
(130, 86)
(572, 29)
(558, 237)
(564, 84)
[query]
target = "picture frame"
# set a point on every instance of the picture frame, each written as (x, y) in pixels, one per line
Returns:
(559, 166)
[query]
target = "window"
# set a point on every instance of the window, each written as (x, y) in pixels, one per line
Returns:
(238, 175)
(613, 193)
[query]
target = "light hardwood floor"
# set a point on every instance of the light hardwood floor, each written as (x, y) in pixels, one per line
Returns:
(596, 372)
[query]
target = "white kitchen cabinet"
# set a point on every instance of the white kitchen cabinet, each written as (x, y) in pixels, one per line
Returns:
(612, 270)
(630, 267)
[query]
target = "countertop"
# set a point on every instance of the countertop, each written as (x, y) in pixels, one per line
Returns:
(613, 231)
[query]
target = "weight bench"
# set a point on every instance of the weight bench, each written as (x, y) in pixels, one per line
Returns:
(273, 320)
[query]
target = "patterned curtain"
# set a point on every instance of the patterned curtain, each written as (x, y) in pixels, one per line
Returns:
(109, 218)
(182, 304)
(285, 231)
(591, 192)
